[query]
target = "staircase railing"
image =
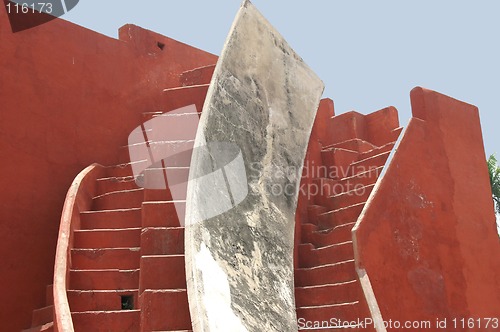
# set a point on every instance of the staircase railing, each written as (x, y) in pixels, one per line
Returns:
(78, 198)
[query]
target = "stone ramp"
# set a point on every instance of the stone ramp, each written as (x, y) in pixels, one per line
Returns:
(239, 245)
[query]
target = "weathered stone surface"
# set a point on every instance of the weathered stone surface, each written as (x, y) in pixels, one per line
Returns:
(244, 180)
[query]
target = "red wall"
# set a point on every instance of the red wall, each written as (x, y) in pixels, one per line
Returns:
(428, 238)
(68, 97)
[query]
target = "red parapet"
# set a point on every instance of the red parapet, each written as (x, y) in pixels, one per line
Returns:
(429, 226)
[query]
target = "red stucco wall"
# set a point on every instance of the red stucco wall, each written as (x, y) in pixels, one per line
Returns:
(427, 237)
(68, 97)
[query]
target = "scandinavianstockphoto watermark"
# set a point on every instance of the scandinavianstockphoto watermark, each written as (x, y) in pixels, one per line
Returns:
(161, 149)
(326, 180)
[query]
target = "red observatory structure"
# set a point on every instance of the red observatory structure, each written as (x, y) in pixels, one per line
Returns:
(392, 223)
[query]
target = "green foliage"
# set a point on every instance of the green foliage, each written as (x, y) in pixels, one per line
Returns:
(494, 171)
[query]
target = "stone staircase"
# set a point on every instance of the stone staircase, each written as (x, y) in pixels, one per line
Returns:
(106, 254)
(127, 260)
(327, 288)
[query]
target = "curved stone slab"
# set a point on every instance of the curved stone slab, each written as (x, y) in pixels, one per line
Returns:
(244, 180)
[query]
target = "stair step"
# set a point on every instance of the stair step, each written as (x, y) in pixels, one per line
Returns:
(347, 126)
(42, 316)
(174, 306)
(314, 211)
(161, 213)
(123, 170)
(162, 241)
(342, 216)
(197, 76)
(326, 274)
(111, 184)
(360, 179)
(342, 312)
(103, 279)
(105, 321)
(396, 133)
(100, 300)
(49, 327)
(157, 195)
(327, 294)
(355, 144)
(369, 163)
(322, 189)
(338, 234)
(162, 272)
(307, 230)
(125, 199)
(111, 219)
(380, 124)
(105, 258)
(175, 98)
(49, 295)
(146, 116)
(355, 196)
(336, 162)
(107, 238)
(335, 253)
(376, 151)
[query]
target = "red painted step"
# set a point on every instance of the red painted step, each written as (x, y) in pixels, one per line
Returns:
(197, 76)
(327, 294)
(105, 321)
(160, 214)
(111, 219)
(307, 229)
(335, 253)
(360, 179)
(104, 279)
(174, 98)
(162, 241)
(322, 188)
(354, 144)
(110, 184)
(100, 300)
(157, 195)
(369, 163)
(125, 169)
(314, 211)
(376, 151)
(326, 274)
(49, 295)
(355, 196)
(105, 258)
(345, 312)
(107, 238)
(336, 161)
(42, 316)
(125, 199)
(162, 272)
(173, 302)
(338, 234)
(49, 327)
(342, 216)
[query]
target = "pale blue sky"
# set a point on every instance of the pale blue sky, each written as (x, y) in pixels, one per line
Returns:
(370, 54)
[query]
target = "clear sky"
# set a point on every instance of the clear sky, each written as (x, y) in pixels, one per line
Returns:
(370, 54)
